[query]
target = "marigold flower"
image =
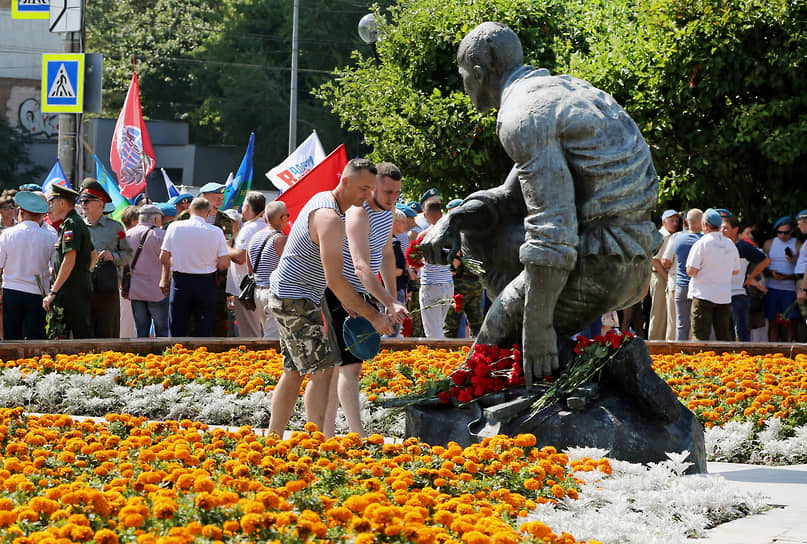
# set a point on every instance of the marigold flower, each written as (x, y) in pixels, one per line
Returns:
(105, 536)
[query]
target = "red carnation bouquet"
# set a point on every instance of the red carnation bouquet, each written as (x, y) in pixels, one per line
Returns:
(413, 254)
(488, 369)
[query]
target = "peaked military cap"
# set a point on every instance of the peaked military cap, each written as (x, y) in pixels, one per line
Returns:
(64, 192)
(93, 188)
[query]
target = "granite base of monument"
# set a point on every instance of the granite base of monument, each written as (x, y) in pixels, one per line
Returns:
(631, 412)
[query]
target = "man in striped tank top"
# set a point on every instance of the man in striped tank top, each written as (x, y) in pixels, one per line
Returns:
(367, 252)
(312, 259)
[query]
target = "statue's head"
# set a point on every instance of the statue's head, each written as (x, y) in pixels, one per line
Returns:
(488, 53)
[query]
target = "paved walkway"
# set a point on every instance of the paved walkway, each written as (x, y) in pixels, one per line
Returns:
(784, 486)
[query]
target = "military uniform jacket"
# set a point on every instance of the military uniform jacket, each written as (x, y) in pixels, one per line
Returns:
(110, 234)
(222, 221)
(74, 236)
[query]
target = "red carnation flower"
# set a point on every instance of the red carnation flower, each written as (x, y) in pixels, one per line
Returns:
(464, 396)
(458, 302)
(444, 397)
(121, 235)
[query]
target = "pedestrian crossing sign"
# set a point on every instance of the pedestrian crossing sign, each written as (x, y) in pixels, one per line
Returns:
(63, 83)
(30, 9)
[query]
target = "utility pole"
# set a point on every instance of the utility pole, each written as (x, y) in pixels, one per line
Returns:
(63, 16)
(70, 123)
(293, 98)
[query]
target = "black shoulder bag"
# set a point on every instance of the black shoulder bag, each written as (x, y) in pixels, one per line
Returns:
(247, 295)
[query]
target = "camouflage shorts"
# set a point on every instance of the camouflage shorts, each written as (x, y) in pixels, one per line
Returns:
(306, 341)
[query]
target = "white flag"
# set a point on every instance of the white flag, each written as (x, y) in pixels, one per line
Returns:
(298, 164)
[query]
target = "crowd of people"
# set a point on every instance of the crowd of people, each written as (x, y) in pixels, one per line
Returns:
(175, 269)
(718, 278)
(713, 277)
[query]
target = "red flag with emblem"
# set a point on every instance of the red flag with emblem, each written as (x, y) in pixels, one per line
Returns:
(323, 177)
(131, 155)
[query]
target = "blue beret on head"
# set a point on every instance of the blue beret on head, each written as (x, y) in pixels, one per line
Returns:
(801, 215)
(212, 187)
(786, 220)
(168, 210)
(405, 209)
(30, 202)
(109, 207)
(30, 187)
(454, 203)
(712, 217)
(138, 198)
(182, 197)
(415, 206)
(428, 194)
(724, 212)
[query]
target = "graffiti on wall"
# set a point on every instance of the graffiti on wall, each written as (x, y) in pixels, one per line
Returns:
(22, 109)
(35, 122)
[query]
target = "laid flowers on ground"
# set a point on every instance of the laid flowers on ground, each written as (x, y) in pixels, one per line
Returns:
(133, 481)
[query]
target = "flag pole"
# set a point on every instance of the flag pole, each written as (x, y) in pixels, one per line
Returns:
(146, 189)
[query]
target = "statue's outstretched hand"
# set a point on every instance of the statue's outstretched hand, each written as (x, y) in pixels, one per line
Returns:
(442, 242)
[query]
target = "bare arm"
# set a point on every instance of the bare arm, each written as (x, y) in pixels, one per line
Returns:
(756, 271)
(238, 256)
(328, 231)
(357, 226)
(659, 267)
(692, 271)
(165, 276)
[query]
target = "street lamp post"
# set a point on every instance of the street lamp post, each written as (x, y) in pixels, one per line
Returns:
(368, 30)
(293, 98)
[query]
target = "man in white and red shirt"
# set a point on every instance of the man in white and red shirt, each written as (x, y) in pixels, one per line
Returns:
(711, 263)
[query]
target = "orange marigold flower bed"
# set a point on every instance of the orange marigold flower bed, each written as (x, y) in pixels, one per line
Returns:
(181, 479)
(738, 386)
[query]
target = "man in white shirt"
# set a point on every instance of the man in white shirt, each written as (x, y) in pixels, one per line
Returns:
(711, 263)
(193, 250)
(249, 322)
(26, 251)
(657, 329)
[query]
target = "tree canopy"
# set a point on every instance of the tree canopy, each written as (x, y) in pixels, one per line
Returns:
(718, 87)
(224, 66)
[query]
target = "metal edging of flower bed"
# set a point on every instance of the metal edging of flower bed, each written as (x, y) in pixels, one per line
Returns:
(143, 346)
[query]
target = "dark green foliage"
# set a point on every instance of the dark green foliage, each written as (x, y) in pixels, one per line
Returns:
(16, 167)
(717, 87)
(224, 66)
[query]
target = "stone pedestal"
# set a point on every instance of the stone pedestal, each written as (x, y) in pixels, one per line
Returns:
(631, 412)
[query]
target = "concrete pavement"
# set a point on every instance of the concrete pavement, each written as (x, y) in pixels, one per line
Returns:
(785, 487)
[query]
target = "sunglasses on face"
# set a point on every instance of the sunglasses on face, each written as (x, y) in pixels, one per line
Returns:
(784, 232)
